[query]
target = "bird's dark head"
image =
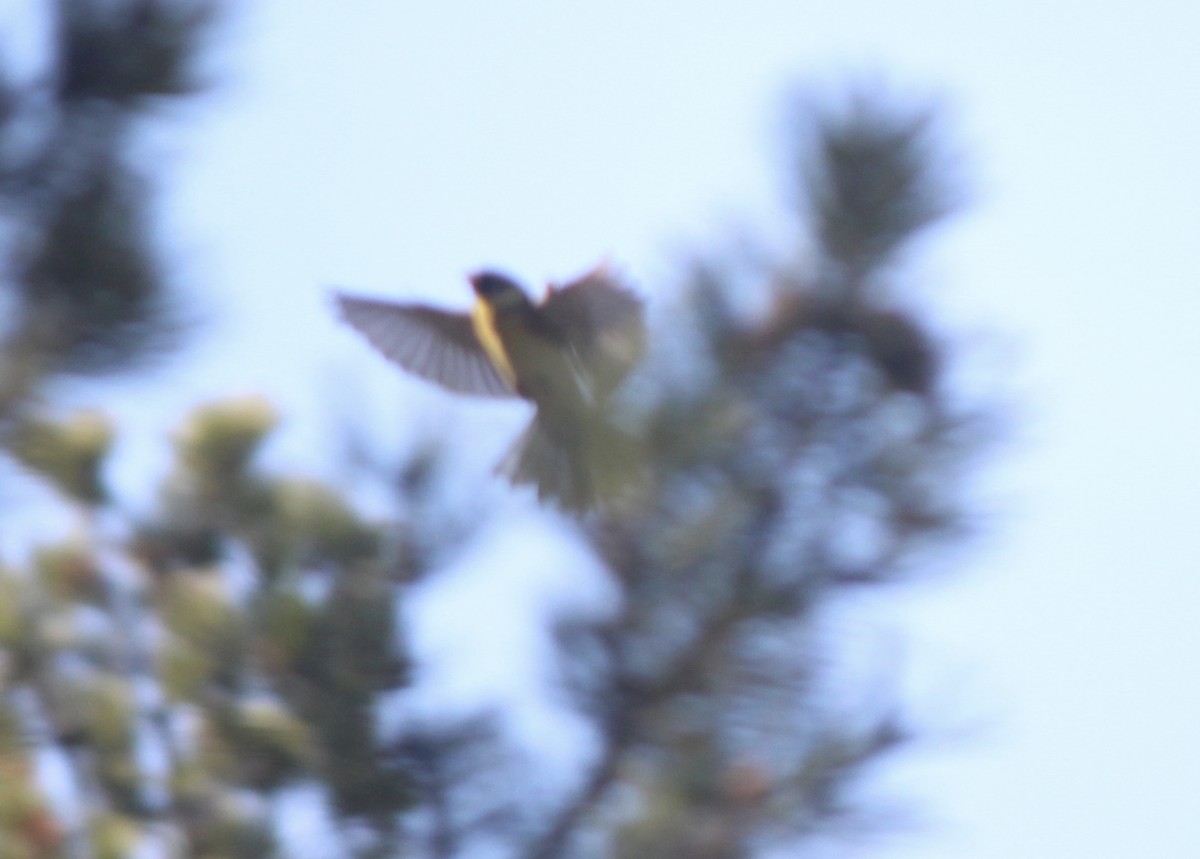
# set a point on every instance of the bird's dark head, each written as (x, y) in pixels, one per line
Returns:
(498, 290)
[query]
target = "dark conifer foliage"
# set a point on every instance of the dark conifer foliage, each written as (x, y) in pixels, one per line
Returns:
(87, 290)
(818, 451)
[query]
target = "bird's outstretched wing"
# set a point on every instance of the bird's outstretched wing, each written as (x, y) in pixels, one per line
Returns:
(434, 344)
(602, 319)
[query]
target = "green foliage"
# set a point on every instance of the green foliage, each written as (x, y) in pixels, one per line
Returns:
(128, 51)
(216, 444)
(13, 620)
(28, 828)
(69, 452)
(84, 271)
(68, 573)
(796, 455)
(273, 683)
(873, 178)
(94, 295)
(113, 836)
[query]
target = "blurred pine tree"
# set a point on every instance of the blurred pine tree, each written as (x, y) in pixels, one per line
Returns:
(189, 668)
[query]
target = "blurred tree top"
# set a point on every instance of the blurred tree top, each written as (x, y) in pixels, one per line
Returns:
(84, 291)
(190, 667)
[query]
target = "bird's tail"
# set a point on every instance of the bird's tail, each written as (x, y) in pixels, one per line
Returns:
(581, 472)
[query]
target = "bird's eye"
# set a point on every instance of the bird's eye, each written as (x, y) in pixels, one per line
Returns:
(490, 284)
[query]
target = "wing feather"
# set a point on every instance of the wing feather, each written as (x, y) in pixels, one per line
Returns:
(603, 320)
(434, 344)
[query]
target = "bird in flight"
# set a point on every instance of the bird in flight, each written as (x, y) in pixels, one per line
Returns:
(566, 354)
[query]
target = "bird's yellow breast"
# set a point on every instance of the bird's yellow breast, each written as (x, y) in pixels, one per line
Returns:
(483, 320)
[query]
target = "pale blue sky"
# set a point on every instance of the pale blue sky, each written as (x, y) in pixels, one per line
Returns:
(392, 151)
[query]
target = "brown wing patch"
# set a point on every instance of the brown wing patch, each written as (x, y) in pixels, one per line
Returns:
(603, 320)
(428, 342)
